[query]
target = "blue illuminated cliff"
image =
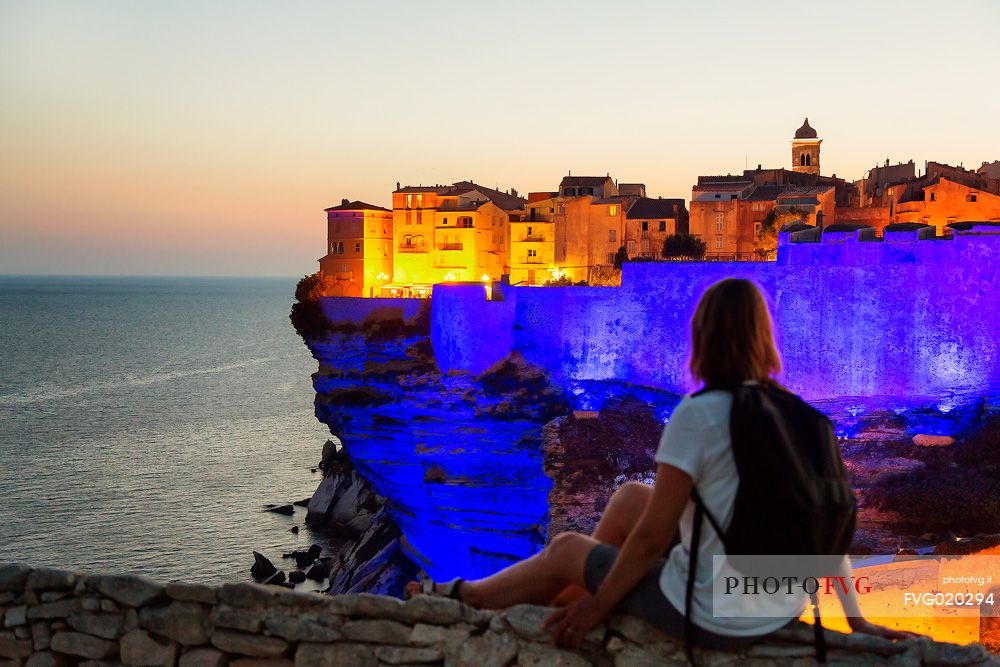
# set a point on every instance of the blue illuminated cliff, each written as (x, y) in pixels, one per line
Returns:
(471, 415)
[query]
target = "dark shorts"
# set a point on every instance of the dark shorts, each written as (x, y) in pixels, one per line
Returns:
(647, 602)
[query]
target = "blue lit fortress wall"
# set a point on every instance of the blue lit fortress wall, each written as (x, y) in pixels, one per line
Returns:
(903, 322)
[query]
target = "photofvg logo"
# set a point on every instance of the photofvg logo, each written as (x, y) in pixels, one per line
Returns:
(892, 586)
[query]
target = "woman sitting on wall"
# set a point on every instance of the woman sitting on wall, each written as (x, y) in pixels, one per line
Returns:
(622, 565)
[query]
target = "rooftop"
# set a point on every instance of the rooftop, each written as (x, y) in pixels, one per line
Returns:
(805, 132)
(646, 207)
(586, 181)
(346, 205)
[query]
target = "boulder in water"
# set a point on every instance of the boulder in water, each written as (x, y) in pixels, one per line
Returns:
(286, 510)
(321, 570)
(262, 568)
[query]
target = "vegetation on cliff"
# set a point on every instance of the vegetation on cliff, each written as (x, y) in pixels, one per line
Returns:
(307, 316)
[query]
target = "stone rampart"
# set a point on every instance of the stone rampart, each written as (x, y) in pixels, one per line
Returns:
(53, 618)
(908, 321)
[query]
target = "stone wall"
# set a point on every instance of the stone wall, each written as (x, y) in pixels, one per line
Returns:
(53, 618)
(910, 322)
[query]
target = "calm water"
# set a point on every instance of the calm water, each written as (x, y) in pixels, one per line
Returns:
(144, 422)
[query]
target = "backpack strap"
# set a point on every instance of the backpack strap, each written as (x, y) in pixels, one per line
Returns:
(819, 636)
(699, 503)
(699, 512)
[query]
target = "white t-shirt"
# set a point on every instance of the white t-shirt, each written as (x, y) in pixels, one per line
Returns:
(697, 441)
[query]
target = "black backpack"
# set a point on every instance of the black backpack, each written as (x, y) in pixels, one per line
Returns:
(794, 496)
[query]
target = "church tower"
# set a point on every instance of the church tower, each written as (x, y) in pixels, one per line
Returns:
(805, 150)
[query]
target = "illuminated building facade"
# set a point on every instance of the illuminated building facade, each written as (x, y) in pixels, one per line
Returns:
(358, 249)
(942, 201)
(648, 222)
(805, 150)
(445, 233)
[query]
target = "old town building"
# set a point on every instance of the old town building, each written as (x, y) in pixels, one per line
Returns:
(359, 248)
(805, 150)
(579, 228)
(648, 222)
(455, 232)
(468, 232)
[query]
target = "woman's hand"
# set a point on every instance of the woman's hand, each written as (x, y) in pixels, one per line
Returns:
(569, 625)
(866, 627)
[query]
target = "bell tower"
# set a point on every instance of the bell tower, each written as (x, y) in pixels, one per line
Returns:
(805, 150)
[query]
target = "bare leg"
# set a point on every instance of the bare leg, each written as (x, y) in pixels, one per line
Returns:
(535, 580)
(619, 518)
(622, 513)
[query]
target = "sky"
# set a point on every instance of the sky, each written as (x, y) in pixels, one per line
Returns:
(206, 138)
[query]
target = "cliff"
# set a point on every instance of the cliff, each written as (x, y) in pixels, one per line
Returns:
(53, 618)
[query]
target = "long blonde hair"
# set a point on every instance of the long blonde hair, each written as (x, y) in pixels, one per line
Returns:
(731, 336)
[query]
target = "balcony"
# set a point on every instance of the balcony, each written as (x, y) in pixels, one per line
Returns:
(450, 246)
(531, 260)
(528, 238)
(403, 247)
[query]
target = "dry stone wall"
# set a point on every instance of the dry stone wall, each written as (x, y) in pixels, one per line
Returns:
(53, 618)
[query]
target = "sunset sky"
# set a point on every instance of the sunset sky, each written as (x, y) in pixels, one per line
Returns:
(206, 138)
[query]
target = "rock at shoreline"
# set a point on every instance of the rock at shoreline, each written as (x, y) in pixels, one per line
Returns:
(262, 568)
(285, 510)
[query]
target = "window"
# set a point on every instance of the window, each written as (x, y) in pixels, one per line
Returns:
(529, 231)
(612, 236)
(409, 201)
(465, 221)
(612, 210)
(645, 225)
(333, 248)
(802, 159)
(569, 192)
(970, 198)
(444, 221)
(611, 258)
(340, 248)
(420, 201)
(645, 246)
(630, 250)
(532, 252)
(718, 242)
(354, 228)
(932, 195)
(357, 247)
(663, 225)
(756, 229)
(720, 223)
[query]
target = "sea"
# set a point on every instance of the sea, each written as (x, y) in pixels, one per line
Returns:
(145, 423)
